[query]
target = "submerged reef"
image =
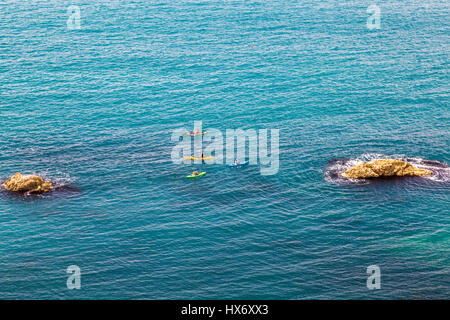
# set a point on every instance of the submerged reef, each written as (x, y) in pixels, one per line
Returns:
(384, 168)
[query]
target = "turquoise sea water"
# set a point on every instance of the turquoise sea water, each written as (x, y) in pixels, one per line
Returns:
(92, 110)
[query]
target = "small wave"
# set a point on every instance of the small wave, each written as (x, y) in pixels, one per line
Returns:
(335, 167)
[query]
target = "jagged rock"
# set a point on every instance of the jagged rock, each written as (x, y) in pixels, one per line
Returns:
(384, 168)
(27, 183)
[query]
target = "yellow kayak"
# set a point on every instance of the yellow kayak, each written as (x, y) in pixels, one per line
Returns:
(199, 158)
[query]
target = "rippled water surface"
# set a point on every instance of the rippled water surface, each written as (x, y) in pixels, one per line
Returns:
(92, 110)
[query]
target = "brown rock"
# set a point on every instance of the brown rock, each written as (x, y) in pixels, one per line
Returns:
(27, 183)
(384, 168)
